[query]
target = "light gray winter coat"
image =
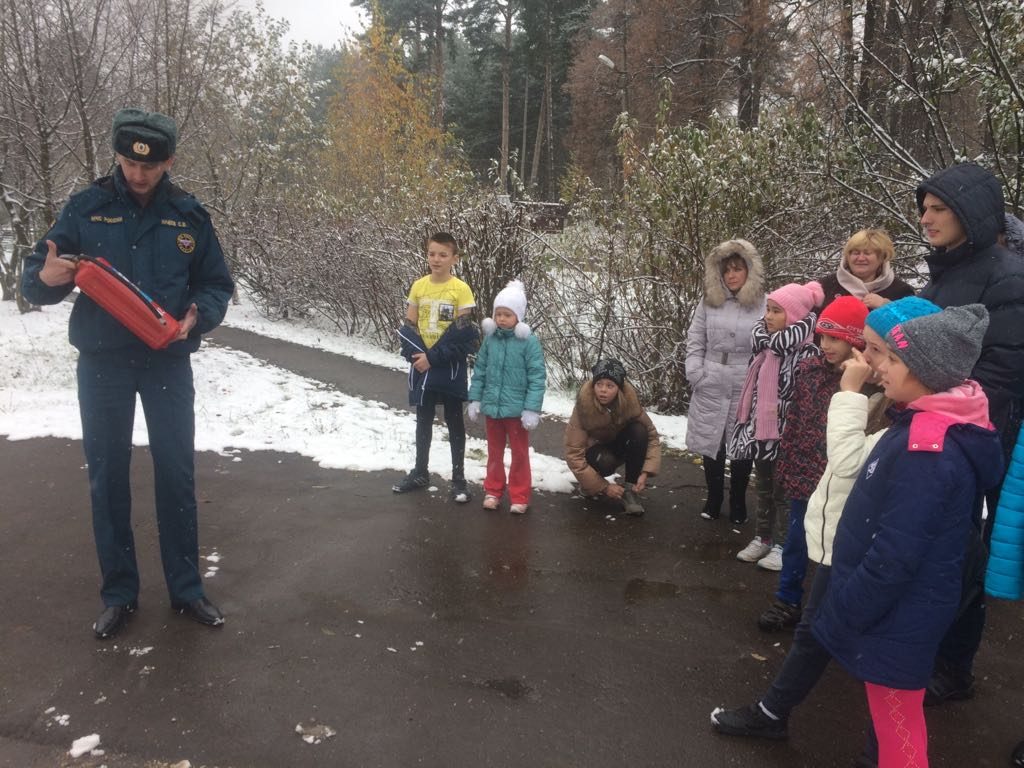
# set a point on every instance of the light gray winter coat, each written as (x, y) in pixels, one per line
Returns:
(718, 347)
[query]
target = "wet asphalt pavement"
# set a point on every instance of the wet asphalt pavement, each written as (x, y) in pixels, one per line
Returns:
(422, 632)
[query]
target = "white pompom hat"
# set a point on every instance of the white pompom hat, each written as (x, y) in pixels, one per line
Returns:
(512, 297)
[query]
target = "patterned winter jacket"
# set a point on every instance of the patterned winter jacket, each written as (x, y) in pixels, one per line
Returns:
(792, 344)
(802, 455)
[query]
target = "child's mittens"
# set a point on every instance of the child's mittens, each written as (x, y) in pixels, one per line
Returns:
(530, 419)
(473, 410)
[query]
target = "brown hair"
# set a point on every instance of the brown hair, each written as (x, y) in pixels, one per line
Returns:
(733, 259)
(443, 238)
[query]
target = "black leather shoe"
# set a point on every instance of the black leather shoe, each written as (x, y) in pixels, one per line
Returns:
(113, 618)
(201, 610)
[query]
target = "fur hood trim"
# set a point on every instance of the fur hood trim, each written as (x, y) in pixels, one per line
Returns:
(522, 330)
(715, 292)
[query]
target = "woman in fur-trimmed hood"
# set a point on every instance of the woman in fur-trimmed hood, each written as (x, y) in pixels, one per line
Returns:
(717, 353)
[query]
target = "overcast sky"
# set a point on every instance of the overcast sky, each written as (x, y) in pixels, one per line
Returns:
(321, 22)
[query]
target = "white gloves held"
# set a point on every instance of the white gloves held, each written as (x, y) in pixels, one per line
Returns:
(530, 420)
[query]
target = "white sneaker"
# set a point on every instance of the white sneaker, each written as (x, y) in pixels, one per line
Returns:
(754, 551)
(773, 560)
(491, 502)
(518, 509)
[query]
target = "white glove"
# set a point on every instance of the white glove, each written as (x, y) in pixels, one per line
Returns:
(473, 410)
(530, 420)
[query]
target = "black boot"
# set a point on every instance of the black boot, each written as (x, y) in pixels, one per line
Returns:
(460, 491)
(738, 481)
(714, 478)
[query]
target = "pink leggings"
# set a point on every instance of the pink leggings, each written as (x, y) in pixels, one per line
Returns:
(898, 717)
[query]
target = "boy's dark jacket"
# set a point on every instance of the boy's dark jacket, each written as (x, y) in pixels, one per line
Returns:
(447, 372)
(899, 549)
(980, 271)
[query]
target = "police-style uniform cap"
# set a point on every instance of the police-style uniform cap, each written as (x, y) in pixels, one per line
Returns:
(145, 136)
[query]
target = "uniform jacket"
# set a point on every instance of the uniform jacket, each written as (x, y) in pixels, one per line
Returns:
(509, 375)
(593, 423)
(802, 455)
(848, 445)
(168, 249)
(983, 272)
(898, 554)
(447, 372)
(1005, 575)
(718, 347)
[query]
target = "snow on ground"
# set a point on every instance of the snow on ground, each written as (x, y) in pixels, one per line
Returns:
(242, 403)
(245, 316)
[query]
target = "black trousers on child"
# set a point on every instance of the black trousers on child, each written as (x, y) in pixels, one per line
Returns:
(453, 417)
(629, 446)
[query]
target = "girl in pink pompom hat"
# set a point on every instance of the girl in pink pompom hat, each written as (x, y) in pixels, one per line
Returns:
(779, 340)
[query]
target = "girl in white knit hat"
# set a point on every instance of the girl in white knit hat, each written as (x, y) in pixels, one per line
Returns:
(508, 388)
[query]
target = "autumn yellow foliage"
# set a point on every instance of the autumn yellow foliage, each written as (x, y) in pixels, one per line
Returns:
(384, 145)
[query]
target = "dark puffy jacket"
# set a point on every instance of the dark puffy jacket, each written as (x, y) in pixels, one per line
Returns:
(899, 549)
(169, 249)
(447, 372)
(979, 271)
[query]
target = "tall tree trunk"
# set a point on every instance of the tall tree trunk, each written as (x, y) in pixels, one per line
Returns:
(751, 62)
(538, 142)
(506, 85)
(526, 114)
(439, 6)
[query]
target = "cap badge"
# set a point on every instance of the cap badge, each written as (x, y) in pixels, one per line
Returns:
(140, 148)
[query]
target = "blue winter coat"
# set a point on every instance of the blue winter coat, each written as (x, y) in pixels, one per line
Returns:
(509, 375)
(1005, 575)
(168, 249)
(899, 549)
(447, 372)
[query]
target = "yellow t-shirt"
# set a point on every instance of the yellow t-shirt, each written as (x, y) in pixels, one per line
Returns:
(437, 305)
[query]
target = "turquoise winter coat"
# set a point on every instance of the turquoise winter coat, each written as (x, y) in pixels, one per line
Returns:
(1005, 576)
(509, 375)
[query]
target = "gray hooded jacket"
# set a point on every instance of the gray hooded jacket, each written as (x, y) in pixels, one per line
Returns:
(718, 347)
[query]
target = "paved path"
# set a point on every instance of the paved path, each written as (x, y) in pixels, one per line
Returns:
(424, 633)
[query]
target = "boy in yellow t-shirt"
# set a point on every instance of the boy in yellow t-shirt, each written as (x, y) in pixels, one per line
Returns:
(436, 338)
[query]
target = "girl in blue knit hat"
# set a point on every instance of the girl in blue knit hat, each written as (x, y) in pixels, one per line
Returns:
(899, 549)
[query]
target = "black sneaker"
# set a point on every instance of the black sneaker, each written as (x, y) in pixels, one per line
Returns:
(948, 685)
(748, 721)
(460, 493)
(1017, 758)
(414, 481)
(780, 615)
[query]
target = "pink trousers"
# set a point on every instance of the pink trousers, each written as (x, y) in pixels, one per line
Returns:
(898, 717)
(520, 479)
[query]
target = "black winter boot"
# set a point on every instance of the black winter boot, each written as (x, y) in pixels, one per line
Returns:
(739, 479)
(714, 478)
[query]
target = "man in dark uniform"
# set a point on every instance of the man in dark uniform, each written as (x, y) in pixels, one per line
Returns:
(162, 239)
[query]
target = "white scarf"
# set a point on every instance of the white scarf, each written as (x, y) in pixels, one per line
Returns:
(858, 287)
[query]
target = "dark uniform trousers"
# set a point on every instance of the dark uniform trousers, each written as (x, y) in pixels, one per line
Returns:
(107, 387)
